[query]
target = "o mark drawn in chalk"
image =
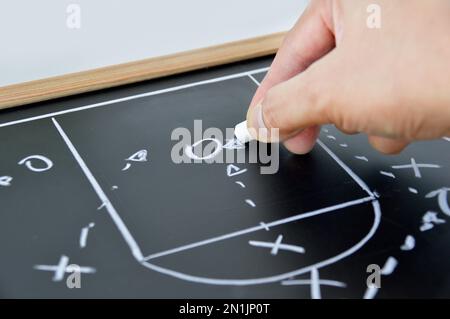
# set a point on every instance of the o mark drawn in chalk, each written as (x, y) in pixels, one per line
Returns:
(5, 180)
(28, 163)
(189, 150)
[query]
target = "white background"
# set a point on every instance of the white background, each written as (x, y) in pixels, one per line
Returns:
(36, 43)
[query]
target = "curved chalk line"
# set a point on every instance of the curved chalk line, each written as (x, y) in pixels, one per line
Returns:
(276, 278)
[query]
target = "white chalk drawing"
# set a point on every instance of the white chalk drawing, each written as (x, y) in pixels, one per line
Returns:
(5, 181)
(129, 238)
(240, 184)
(101, 206)
(315, 285)
(189, 149)
(446, 138)
(429, 220)
(145, 261)
(254, 80)
(362, 158)
(233, 170)
(325, 130)
(409, 243)
(62, 268)
(84, 234)
(139, 156)
(250, 202)
(343, 145)
(277, 245)
(413, 190)
(234, 144)
(389, 266)
(28, 161)
(114, 187)
(388, 174)
(442, 195)
(264, 225)
(135, 250)
(371, 292)
(321, 282)
(331, 137)
(415, 167)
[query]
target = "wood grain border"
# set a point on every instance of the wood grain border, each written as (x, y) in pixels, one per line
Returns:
(111, 76)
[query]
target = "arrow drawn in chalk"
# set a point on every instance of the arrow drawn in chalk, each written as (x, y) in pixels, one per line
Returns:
(139, 156)
(441, 194)
(233, 170)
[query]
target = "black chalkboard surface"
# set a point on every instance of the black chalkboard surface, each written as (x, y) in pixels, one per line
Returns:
(88, 187)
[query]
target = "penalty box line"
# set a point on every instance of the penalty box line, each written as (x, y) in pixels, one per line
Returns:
(261, 227)
(346, 168)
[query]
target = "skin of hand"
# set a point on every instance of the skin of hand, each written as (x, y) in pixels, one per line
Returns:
(391, 82)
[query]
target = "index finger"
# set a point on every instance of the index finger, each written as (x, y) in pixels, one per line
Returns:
(310, 39)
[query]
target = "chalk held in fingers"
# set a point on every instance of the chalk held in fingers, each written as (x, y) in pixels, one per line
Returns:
(242, 133)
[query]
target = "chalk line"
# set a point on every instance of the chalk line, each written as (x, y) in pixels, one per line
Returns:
(254, 80)
(349, 171)
(322, 282)
(371, 292)
(388, 174)
(315, 286)
(280, 277)
(84, 234)
(250, 202)
(389, 266)
(101, 194)
(260, 227)
(137, 96)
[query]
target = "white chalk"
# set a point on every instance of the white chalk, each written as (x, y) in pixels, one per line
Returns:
(242, 134)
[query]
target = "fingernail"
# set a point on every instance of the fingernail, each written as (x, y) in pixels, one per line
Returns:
(258, 123)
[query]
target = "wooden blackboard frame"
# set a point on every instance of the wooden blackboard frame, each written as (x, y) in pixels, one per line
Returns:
(131, 72)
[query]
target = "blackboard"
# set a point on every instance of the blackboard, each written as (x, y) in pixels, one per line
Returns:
(87, 184)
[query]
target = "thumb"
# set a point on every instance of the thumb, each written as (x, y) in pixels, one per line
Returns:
(296, 104)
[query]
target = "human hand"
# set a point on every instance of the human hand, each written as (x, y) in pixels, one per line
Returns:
(392, 82)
